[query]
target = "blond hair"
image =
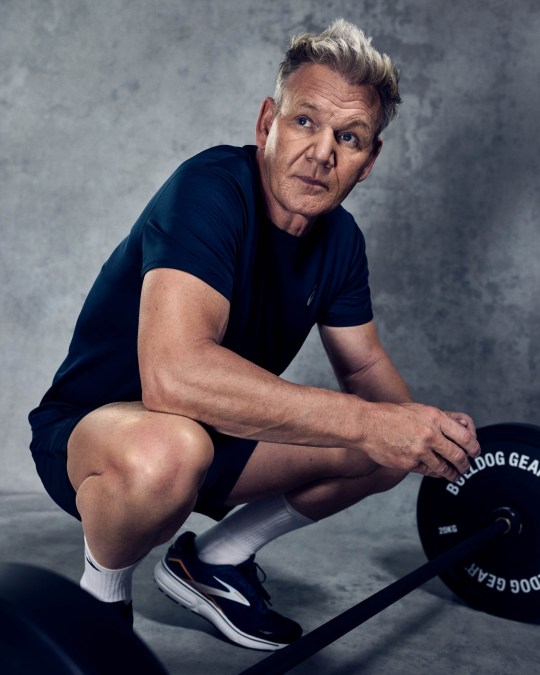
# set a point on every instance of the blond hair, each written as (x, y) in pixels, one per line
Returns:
(344, 48)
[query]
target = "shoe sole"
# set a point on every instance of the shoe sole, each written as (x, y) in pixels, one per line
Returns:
(190, 598)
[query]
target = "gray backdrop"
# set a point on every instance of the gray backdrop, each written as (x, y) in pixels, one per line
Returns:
(101, 100)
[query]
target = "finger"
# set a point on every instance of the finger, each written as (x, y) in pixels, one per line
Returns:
(454, 455)
(462, 436)
(470, 423)
(444, 470)
(463, 419)
(444, 458)
(457, 417)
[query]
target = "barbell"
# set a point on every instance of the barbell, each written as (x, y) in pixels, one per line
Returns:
(481, 535)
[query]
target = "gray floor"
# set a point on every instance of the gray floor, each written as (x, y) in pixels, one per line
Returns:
(313, 575)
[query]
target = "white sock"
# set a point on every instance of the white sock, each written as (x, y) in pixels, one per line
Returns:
(245, 531)
(105, 584)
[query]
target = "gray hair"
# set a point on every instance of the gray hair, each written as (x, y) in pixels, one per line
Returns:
(344, 48)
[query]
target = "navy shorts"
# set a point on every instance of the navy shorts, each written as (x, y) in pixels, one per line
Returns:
(49, 450)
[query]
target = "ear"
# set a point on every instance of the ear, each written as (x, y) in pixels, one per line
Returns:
(264, 121)
(366, 170)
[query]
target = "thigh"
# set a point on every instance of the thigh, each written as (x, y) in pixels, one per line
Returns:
(114, 436)
(276, 468)
(107, 437)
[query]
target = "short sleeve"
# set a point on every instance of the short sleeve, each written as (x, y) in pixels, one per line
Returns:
(196, 226)
(351, 305)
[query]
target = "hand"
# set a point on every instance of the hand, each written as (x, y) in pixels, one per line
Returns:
(463, 419)
(421, 439)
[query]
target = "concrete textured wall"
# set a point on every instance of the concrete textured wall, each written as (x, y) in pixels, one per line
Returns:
(99, 102)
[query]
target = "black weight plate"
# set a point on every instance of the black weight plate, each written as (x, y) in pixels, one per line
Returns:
(503, 578)
(50, 626)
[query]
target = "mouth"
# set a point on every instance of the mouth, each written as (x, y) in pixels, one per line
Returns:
(312, 182)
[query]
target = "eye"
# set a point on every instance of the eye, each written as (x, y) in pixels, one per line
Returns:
(348, 138)
(304, 121)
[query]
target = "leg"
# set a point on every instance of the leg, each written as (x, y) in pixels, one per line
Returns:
(136, 474)
(288, 487)
(318, 482)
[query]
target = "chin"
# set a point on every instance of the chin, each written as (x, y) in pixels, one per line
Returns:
(311, 208)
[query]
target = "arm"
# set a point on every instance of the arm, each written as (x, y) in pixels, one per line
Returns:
(185, 371)
(363, 368)
(361, 364)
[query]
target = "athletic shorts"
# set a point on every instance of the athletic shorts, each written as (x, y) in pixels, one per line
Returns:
(52, 430)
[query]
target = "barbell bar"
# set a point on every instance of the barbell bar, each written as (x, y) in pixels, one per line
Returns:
(285, 659)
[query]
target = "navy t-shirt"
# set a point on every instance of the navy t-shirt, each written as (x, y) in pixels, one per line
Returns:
(209, 220)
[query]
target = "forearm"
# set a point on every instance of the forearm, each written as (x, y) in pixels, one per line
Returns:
(238, 398)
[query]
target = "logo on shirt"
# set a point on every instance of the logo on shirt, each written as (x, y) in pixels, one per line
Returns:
(312, 295)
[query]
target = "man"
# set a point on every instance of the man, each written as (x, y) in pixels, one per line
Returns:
(170, 399)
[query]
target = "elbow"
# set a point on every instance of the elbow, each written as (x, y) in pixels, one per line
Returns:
(178, 391)
(155, 396)
(153, 399)
(178, 386)
(161, 394)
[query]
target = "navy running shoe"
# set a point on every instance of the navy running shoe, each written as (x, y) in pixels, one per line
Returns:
(231, 597)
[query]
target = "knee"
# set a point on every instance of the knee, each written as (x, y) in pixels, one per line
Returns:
(162, 461)
(356, 465)
(385, 479)
(379, 479)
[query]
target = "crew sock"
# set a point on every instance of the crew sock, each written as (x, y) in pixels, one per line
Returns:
(234, 539)
(105, 584)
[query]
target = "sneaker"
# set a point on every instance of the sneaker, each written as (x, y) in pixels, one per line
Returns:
(231, 597)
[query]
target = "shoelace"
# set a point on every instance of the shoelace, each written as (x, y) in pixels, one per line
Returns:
(250, 570)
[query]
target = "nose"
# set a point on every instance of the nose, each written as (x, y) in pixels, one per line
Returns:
(321, 149)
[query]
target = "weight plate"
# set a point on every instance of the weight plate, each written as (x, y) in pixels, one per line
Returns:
(50, 626)
(503, 578)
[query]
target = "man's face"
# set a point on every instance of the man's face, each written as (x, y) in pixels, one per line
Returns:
(317, 146)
